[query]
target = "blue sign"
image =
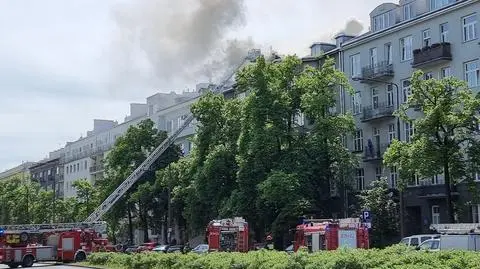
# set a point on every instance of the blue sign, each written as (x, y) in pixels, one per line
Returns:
(366, 216)
(1, 232)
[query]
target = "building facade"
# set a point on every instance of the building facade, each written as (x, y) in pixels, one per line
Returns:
(21, 172)
(49, 174)
(439, 37)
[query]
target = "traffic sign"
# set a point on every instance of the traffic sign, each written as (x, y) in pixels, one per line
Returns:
(367, 216)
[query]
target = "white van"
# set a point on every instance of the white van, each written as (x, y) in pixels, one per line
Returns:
(416, 240)
(452, 242)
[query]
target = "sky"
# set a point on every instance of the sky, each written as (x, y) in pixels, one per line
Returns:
(65, 63)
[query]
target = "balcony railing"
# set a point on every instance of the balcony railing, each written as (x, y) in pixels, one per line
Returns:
(97, 168)
(432, 54)
(381, 110)
(380, 70)
(87, 153)
(374, 151)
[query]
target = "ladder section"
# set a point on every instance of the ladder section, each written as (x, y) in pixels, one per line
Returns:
(137, 173)
(99, 227)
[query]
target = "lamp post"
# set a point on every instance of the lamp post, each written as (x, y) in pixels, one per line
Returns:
(397, 106)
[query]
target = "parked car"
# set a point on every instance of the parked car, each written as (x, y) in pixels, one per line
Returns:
(131, 249)
(169, 249)
(452, 242)
(289, 249)
(200, 249)
(415, 240)
(160, 248)
(147, 246)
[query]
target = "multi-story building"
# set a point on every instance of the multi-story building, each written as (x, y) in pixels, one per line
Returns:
(21, 172)
(49, 174)
(440, 37)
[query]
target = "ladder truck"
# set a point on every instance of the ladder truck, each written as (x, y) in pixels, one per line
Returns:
(65, 242)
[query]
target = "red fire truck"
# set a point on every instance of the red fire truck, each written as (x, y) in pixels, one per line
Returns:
(62, 243)
(328, 234)
(228, 235)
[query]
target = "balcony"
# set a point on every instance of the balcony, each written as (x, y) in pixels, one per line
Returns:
(97, 168)
(374, 152)
(436, 54)
(379, 71)
(379, 111)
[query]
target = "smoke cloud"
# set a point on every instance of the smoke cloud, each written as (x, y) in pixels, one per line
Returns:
(353, 27)
(172, 42)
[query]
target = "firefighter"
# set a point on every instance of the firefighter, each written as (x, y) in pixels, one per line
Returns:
(269, 243)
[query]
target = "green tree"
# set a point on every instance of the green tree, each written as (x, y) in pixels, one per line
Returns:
(385, 221)
(87, 199)
(446, 134)
(129, 152)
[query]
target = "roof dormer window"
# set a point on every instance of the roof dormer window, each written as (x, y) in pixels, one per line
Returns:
(407, 12)
(436, 4)
(382, 21)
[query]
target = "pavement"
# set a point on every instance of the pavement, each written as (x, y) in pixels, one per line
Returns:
(48, 266)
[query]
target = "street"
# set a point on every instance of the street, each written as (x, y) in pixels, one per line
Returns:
(47, 266)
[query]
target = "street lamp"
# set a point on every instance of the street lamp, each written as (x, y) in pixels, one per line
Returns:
(359, 79)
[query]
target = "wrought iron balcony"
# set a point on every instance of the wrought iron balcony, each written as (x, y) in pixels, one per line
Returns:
(378, 71)
(438, 52)
(374, 151)
(381, 110)
(97, 168)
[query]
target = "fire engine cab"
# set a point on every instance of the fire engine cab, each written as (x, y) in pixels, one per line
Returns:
(228, 235)
(328, 234)
(24, 245)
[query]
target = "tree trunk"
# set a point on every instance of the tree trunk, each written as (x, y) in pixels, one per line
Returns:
(130, 225)
(448, 192)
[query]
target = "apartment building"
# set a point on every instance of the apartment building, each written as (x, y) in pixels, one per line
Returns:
(440, 37)
(49, 174)
(21, 172)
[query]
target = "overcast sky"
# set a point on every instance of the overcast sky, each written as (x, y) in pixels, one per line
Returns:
(64, 63)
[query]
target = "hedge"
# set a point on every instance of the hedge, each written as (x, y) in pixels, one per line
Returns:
(398, 257)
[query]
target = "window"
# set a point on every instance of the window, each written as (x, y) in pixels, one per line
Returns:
(355, 64)
(360, 179)
(407, 91)
(407, 12)
(445, 72)
(357, 103)
(381, 21)
(415, 181)
(436, 180)
(426, 38)
(378, 172)
(389, 53)
(393, 177)
(85, 164)
(409, 131)
(436, 4)
(414, 241)
(358, 141)
(375, 98)
(435, 214)
(392, 134)
(472, 73)
(299, 119)
(428, 75)
(49, 172)
(444, 32)
(78, 166)
(169, 126)
(476, 213)
(406, 48)
(373, 57)
(390, 95)
(469, 27)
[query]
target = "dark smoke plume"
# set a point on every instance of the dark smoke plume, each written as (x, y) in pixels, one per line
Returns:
(175, 41)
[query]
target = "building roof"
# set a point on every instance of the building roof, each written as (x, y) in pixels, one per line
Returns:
(44, 162)
(16, 170)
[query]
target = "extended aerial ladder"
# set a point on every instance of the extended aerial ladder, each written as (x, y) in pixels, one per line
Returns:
(93, 221)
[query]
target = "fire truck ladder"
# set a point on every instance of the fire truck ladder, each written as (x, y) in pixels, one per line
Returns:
(137, 173)
(99, 227)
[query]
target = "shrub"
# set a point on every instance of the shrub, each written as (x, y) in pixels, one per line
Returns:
(393, 257)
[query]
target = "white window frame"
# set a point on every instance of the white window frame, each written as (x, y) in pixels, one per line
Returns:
(390, 96)
(475, 210)
(436, 180)
(357, 103)
(435, 214)
(378, 172)
(358, 140)
(360, 178)
(426, 37)
(436, 4)
(445, 72)
(406, 48)
(393, 177)
(392, 133)
(472, 76)
(356, 68)
(375, 98)
(389, 53)
(444, 32)
(428, 75)
(469, 29)
(373, 57)
(409, 128)
(407, 12)
(406, 89)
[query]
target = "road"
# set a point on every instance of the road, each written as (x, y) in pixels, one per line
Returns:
(47, 266)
